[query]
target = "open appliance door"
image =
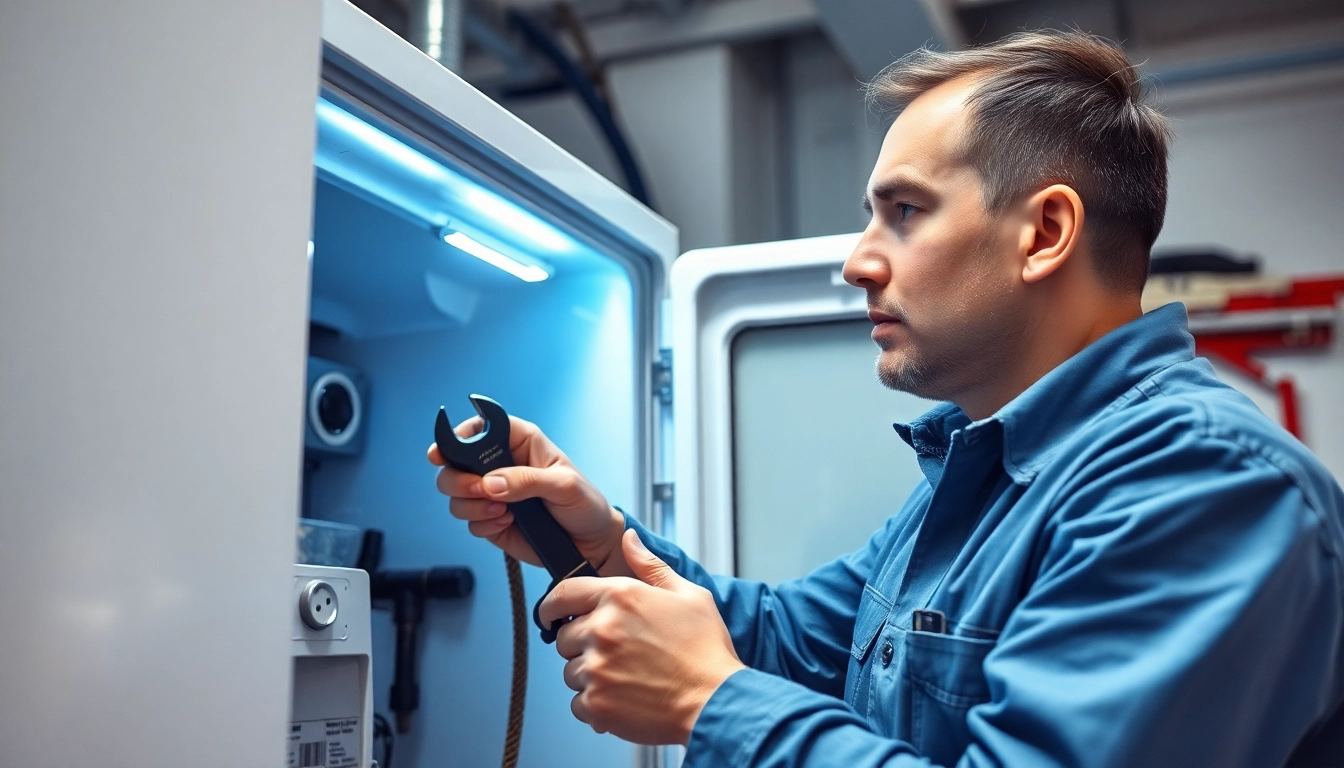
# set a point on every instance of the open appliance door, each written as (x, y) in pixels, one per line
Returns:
(784, 452)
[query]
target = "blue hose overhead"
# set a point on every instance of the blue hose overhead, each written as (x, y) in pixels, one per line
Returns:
(577, 79)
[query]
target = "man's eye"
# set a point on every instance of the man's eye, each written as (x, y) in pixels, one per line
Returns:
(905, 210)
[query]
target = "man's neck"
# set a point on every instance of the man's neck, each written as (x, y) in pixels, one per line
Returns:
(1048, 349)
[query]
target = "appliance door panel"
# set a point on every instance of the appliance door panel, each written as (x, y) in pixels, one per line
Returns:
(785, 454)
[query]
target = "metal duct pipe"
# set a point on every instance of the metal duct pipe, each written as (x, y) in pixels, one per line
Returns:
(1254, 64)
(436, 29)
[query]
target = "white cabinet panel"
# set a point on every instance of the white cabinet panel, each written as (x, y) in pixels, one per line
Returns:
(155, 190)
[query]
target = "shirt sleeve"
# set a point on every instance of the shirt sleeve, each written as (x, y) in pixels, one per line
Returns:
(800, 630)
(1186, 611)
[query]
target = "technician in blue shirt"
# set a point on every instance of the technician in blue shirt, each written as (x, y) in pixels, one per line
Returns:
(1114, 559)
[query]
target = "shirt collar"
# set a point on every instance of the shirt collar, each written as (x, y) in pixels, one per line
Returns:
(1036, 423)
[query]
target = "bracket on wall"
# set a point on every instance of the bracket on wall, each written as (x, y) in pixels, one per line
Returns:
(1301, 314)
(407, 590)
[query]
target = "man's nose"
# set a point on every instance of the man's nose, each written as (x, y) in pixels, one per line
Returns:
(867, 267)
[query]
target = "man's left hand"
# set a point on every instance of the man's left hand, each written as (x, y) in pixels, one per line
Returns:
(645, 654)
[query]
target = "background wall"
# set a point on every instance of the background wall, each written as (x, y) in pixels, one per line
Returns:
(738, 143)
(1257, 167)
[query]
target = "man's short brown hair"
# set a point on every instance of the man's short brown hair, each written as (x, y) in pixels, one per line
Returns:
(1056, 108)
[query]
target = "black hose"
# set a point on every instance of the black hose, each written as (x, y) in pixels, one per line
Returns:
(583, 86)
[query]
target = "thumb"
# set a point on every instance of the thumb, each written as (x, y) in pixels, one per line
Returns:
(646, 565)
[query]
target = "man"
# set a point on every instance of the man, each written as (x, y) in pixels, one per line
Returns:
(1115, 559)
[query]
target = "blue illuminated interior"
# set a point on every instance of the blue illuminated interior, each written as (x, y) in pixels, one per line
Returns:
(427, 325)
(357, 155)
(381, 265)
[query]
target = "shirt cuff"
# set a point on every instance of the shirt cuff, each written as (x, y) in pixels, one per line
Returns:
(737, 718)
(742, 714)
(664, 549)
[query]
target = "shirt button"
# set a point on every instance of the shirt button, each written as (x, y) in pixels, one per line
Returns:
(887, 651)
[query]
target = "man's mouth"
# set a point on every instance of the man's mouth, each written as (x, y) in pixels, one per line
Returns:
(884, 325)
(881, 318)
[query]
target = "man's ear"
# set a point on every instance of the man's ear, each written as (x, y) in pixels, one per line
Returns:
(1053, 231)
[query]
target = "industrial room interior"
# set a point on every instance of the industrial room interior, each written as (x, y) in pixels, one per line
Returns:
(572, 208)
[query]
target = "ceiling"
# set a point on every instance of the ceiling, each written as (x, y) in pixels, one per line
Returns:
(870, 33)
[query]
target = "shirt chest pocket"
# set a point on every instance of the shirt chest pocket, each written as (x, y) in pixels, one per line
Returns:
(947, 678)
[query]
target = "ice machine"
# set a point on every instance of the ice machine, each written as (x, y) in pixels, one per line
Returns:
(457, 251)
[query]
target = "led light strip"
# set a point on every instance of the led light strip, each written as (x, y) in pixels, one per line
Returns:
(530, 273)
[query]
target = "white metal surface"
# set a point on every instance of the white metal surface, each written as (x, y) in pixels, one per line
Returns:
(155, 187)
(347, 29)
(715, 293)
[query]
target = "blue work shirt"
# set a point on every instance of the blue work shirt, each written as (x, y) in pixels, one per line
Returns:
(1137, 568)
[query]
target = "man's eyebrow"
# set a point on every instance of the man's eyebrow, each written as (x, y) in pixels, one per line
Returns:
(896, 186)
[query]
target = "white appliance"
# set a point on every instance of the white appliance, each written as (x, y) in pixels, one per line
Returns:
(173, 272)
(331, 707)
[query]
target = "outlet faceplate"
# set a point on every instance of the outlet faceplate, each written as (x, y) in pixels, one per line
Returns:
(318, 604)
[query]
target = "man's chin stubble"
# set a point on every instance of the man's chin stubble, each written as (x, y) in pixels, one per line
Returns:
(905, 376)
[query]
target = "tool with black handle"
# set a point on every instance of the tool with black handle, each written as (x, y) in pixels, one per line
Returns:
(489, 450)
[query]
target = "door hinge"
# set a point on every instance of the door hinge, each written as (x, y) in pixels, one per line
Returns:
(663, 493)
(662, 376)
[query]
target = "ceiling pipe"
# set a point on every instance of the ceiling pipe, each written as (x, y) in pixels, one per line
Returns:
(436, 28)
(521, 69)
(582, 84)
(1254, 64)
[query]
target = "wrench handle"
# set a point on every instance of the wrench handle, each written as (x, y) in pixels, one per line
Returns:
(555, 550)
(551, 542)
(490, 451)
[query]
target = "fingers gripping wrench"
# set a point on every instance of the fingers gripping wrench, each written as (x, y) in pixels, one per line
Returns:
(489, 450)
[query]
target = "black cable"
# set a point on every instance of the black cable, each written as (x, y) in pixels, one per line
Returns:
(583, 86)
(381, 729)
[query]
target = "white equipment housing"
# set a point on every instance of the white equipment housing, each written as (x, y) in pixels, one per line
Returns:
(331, 712)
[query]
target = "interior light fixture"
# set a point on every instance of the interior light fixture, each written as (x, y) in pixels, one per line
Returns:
(371, 163)
(310, 250)
(531, 273)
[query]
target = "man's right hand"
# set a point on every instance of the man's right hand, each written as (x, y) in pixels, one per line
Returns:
(543, 472)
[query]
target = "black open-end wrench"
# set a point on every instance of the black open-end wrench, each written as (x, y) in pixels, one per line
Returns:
(489, 450)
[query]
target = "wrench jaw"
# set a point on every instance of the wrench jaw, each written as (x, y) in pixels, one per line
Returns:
(453, 450)
(465, 452)
(495, 417)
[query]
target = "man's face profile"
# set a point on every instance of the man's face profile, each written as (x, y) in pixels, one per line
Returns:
(939, 269)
